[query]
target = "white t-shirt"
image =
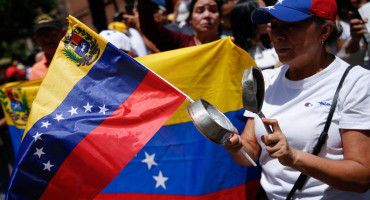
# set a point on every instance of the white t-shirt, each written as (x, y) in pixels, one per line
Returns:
(301, 108)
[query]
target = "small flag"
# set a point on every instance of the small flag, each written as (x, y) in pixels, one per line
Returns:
(16, 99)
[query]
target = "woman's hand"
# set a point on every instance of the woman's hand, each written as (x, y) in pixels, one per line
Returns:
(277, 145)
(234, 143)
(232, 39)
(357, 30)
(357, 27)
(133, 20)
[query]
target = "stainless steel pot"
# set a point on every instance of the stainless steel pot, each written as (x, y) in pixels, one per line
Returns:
(211, 122)
(253, 92)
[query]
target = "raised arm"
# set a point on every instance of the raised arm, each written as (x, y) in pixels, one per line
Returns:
(163, 38)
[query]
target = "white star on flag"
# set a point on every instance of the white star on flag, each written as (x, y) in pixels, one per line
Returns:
(270, 7)
(279, 2)
(88, 107)
(73, 111)
(37, 136)
(103, 109)
(59, 117)
(47, 166)
(160, 180)
(39, 152)
(149, 160)
(45, 124)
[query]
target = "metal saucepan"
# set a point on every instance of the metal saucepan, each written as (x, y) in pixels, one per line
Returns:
(212, 123)
(253, 92)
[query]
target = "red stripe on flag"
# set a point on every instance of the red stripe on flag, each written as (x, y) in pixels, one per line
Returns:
(105, 151)
(247, 191)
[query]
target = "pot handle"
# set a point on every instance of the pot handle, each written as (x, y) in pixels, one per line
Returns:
(248, 157)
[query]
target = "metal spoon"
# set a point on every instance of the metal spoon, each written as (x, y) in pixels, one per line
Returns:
(253, 92)
(212, 123)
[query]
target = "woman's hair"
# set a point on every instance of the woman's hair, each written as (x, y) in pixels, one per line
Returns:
(244, 30)
(335, 34)
(219, 5)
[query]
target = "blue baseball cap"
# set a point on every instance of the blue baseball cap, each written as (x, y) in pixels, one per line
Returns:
(296, 10)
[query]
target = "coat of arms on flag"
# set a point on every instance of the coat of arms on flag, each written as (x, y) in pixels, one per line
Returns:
(81, 47)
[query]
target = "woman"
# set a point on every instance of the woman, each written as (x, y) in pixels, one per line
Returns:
(205, 18)
(297, 101)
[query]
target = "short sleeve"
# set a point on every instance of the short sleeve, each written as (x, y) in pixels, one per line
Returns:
(355, 112)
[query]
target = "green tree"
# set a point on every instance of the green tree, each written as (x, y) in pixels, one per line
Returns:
(16, 23)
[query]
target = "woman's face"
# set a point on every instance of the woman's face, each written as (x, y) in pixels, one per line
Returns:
(296, 43)
(205, 16)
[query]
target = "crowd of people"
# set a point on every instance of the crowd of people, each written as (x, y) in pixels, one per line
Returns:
(303, 48)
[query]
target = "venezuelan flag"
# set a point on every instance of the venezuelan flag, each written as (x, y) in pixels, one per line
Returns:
(16, 100)
(95, 109)
(178, 162)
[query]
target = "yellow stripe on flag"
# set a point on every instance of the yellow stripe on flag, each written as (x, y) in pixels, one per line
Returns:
(211, 71)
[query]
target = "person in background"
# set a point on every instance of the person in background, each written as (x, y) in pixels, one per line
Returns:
(119, 40)
(160, 14)
(180, 22)
(226, 8)
(142, 45)
(343, 22)
(356, 50)
(251, 37)
(47, 32)
(298, 97)
(182, 16)
(205, 18)
(16, 72)
(13, 74)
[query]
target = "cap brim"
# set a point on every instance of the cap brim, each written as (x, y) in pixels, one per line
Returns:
(45, 25)
(263, 15)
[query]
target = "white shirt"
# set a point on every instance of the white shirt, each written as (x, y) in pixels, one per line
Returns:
(301, 108)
